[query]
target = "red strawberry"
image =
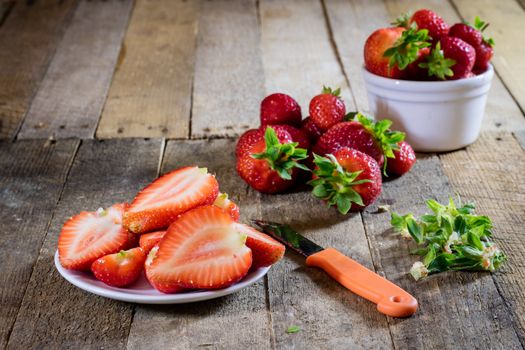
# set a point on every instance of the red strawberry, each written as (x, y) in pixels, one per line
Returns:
(311, 130)
(120, 269)
(222, 201)
(201, 250)
(347, 179)
(266, 251)
(297, 135)
(414, 71)
(484, 53)
(429, 20)
(466, 33)
(166, 286)
(462, 53)
(374, 52)
(159, 203)
(405, 158)
(271, 164)
(327, 109)
(90, 235)
(252, 136)
(280, 109)
(149, 240)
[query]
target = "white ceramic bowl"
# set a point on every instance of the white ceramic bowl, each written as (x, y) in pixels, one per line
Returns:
(435, 115)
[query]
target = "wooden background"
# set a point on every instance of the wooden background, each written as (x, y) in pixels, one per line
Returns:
(97, 98)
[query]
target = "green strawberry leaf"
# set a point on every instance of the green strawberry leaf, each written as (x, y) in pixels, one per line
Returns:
(403, 20)
(480, 26)
(406, 48)
(437, 65)
(329, 90)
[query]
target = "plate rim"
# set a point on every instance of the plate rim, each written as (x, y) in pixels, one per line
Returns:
(175, 298)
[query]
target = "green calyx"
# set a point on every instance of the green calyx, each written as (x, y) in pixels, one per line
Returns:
(480, 26)
(437, 65)
(334, 184)
(450, 238)
(406, 48)
(282, 157)
(328, 90)
(403, 20)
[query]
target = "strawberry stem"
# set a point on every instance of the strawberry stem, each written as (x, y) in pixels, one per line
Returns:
(329, 90)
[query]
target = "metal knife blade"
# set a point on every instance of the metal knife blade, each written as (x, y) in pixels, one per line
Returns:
(289, 237)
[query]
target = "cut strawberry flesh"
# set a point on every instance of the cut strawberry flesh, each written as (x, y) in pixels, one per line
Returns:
(201, 250)
(149, 240)
(91, 235)
(266, 251)
(159, 204)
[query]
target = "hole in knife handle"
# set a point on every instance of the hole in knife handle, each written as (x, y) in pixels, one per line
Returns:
(396, 299)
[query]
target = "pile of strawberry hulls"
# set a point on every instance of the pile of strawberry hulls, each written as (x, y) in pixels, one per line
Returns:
(424, 47)
(179, 230)
(340, 154)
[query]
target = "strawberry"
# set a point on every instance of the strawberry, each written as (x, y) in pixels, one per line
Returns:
(119, 269)
(414, 71)
(429, 20)
(347, 179)
(372, 138)
(222, 201)
(280, 109)
(451, 59)
(311, 130)
(406, 50)
(167, 286)
(90, 235)
(252, 136)
(403, 161)
(327, 109)
(149, 240)
(466, 33)
(484, 53)
(201, 250)
(271, 163)
(375, 47)
(266, 251)
(297, 135)
(159, 203)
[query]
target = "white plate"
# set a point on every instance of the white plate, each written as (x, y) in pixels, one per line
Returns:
(142, 292)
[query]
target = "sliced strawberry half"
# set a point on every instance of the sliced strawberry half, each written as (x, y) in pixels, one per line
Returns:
(222, 201)
(90, 235)
(164, 286)
(149, 240)
(201, 250)
(120, 269)
(159, 204)
(266, 251)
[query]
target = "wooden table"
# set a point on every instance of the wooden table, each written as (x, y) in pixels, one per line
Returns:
(97, 98)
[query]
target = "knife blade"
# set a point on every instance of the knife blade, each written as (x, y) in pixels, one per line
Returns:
(391, 299)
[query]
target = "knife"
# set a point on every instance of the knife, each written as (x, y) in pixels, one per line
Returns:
(390, 299)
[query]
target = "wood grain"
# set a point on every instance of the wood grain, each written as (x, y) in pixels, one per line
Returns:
(150, 95)
(32, 174)
(297, 52)
(237, 321)
(28, 40)
(54, 313)
(328, 315)
(457, 310)
(507, 22)
(489, 173)
(71, 96)
(229, 78)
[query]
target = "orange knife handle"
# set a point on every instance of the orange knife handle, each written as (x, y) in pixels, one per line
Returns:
(390, 299)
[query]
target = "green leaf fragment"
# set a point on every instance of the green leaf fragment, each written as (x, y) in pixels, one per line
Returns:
(293, 329)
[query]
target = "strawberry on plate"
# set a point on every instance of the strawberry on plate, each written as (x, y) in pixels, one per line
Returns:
(201, 250)
(327, 109)
(149, 240)
(266, 251)
(90, 235)
(222, 201)
(280, 108)
(404, 159)
(348, 179)
(159, 203)
(119, 269)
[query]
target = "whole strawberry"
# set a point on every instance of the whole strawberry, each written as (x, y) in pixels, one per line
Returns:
(484, 53)
(451, 59)
(327, 109)
(374, 52)
(280, 108)
(429, 20)
(466, 33)
(271, 164)
(311, 130)
(404, 159)
(297, 135)
(372, 138)
(252, 136)
(347, 179)
(120, 269)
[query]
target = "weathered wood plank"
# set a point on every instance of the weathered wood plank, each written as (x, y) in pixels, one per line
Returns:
(352, 22)
(490, 173)
(32, 174)
(71, 96)
(520, 136)
(237, 321)
(297, 51)
(329, 315)
(54, 313)
(5, 8)
(457, 310)
(150, 95)
(28, 40)
(507, 22)
(229, 78)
